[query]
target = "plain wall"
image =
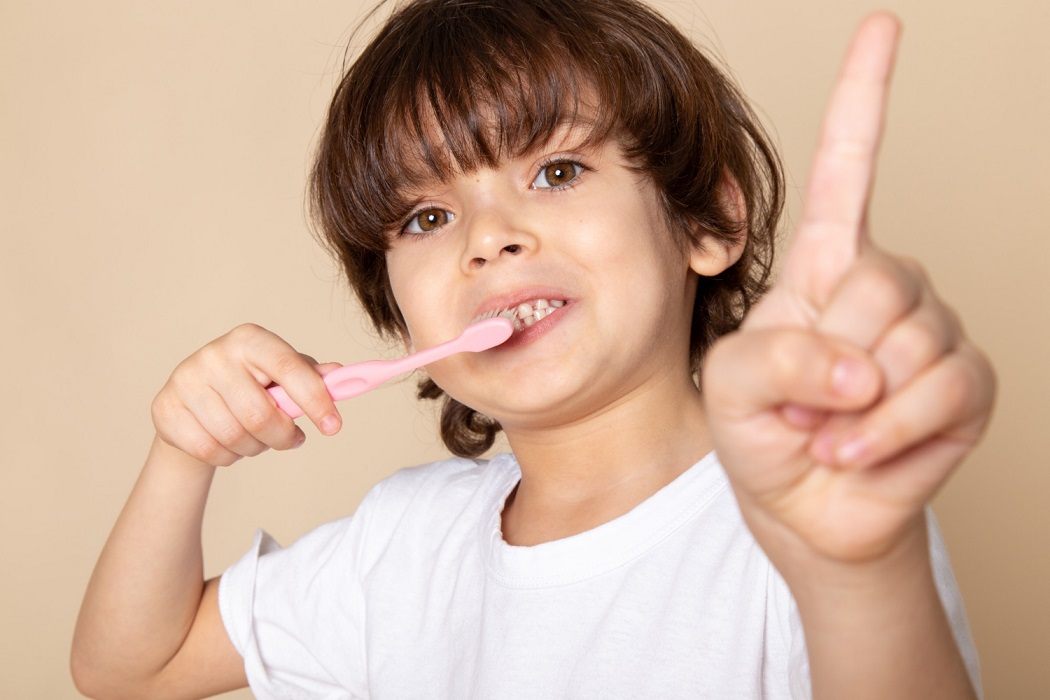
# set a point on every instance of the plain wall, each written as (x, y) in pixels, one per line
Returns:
(152, 165)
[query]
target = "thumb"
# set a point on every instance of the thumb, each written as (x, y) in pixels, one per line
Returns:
(326, 367)
(748, 373)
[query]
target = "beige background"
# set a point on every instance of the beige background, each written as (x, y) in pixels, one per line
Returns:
(152, 161)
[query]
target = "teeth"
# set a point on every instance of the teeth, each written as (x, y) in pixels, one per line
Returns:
(525, 314)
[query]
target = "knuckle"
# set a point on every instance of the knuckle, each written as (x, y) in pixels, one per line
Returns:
(254, 450)
(984, 368)
(208, 450)
(318, 403)
(231, 432)
(960, 384)
(288, 362)
(914, 268)
(244, 331)
(210, 355)
(788, 357)
(285, 441)
(256, 420)
(913, 346)
(884, 286)
(161, 408)
(949, 318)
(981, 373)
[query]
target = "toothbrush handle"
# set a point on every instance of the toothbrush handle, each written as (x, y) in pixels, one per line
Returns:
(354, 380)
(346, 382)
(284, 401)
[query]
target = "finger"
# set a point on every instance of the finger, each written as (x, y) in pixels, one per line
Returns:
(833, 222)
(216, 417)
(181, 429)
(322, 368)
(255, 411)
(307, 389)
(760, 370)
(802, 418)
(918, 341)
(874, 294)
(948, 402)
(271, 359)
(326, 367)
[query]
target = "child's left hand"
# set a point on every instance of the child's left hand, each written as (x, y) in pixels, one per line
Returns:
(850, 393)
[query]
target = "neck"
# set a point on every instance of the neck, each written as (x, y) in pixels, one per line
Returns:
(583, 474)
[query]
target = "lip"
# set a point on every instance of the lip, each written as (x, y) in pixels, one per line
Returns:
(511, 299)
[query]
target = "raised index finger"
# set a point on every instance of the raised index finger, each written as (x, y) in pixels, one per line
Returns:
(833, 225)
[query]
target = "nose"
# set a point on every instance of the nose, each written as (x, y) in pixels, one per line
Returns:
(492, 236)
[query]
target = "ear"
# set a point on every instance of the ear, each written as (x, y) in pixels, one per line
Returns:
(711, 256)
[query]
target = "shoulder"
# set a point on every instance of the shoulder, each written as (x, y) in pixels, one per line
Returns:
(425, 500)
(400, 518)
(445, 483)
(411, 501)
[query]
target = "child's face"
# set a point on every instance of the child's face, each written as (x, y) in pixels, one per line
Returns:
(568, 225)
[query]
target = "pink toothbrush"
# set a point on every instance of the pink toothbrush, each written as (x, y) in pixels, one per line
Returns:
(354, 380)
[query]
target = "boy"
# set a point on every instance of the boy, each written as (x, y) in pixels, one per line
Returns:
(583, 166)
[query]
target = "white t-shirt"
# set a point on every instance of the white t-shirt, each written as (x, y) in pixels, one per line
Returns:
(418, 596)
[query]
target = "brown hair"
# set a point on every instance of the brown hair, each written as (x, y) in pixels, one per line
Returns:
(450, 86)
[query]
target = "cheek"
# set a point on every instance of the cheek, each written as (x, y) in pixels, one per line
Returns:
(421, 292)
(404, 292)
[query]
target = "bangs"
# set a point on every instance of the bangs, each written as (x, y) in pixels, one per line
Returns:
(469, 93)
(476, 104)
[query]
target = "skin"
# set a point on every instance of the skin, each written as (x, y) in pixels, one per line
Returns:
(844, 402)
(577, 391)
(842, 405)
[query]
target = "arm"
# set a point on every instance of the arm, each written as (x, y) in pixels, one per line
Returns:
(147, 608)
(881, 627)
(149, 625)
(844, 402)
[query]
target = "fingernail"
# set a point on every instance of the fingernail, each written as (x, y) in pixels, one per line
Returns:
(801, 417)
(299, 441)
(850, 376)
(852, 451)
(329, 424)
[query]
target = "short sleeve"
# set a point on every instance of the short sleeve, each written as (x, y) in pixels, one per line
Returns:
(951, 599)
(296, 614)
(785, 625)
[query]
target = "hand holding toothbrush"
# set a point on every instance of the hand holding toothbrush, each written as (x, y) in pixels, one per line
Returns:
(216, 408)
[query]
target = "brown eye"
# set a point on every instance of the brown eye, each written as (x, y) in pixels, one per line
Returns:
(557, 174)
(428, 220)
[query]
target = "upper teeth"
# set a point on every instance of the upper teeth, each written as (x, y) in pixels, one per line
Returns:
(526, 313)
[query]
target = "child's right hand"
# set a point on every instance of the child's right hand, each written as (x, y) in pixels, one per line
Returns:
(215, 406)
(851, 392)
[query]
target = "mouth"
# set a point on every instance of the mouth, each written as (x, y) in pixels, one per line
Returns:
(525, 314)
